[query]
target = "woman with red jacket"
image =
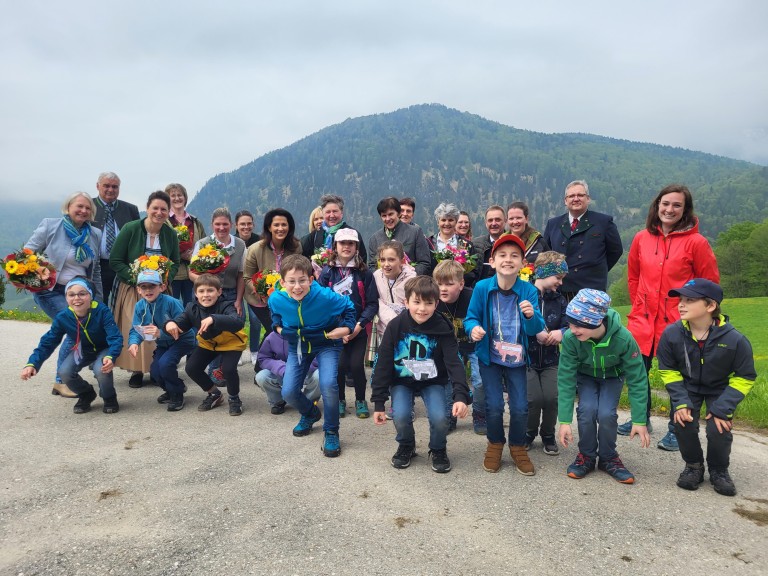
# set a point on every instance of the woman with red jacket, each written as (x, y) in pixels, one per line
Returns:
(668, 253)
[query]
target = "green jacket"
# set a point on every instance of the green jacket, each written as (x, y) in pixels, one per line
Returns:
(615, 356)
(131, 243)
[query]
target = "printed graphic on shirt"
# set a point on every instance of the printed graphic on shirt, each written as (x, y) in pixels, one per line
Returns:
(414, 357)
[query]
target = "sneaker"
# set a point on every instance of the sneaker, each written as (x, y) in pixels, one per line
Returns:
(691, 476)
(342, 408)
(615, 467)
(550, 446)
(721, 481)
(176, 403)
(361, 409)
(218, 378)
(389, 415)
(522, 461)
(331, 444)
(84, 400)
(403, 456)
(304, 427)
(452, 423)
(668, 443)
(440, 462)
(235, 406)
(136, 380)
(278, 408)
(529, 438)
(626, 428)
(164, 398)
(582, 466)
(478, 423)
(211, 401)
(492, 459)
(111, 406)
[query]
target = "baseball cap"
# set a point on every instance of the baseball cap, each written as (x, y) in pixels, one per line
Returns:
(508, 239)
(148, 277)
(699, 288)
(346, 235)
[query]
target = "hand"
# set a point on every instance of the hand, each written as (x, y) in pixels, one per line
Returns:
(723, 426)
(28, 372)
(239, 307)
(151, 329)
(566, 436)
(682, 416)
(107, 365)
(173, 329)
(186, 255)
(460, 410)
(542, 337)
(477, 333)
(526, 308)
(133, 350)
(554, 337)
(337, 333)
(379, 418)
(205, 324)
(642, 431)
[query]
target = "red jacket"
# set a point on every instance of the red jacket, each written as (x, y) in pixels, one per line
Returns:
(656, 265)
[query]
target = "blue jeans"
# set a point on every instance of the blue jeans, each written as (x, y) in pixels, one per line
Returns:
(434, 401)
(70, 375)
(272, 384)
(517, 393)
(52, 302)
(165, 366)
(478, 392)
(296, 373)
(255, 329)
(596, 415)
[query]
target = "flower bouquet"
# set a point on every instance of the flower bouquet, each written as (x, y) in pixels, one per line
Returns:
(156, 262)
(29, 270)
(320, 258)
(210, 259)
(265, 282)
(526, 273)
(461, 255)
(185, 241)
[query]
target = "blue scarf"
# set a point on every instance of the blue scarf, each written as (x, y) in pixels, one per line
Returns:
(328, 232)
(79, 239)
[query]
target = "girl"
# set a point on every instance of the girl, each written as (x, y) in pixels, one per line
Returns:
(390, 281)
(348, 275)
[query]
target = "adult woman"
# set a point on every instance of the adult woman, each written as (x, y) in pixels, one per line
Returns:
(150, 235)
(446, 215)
(333, 220)
(72, 246)
(277, 241)
(668, 253)
(517, 223)
(464, 225)
(182, 285)
(244, 225)
(316, 219)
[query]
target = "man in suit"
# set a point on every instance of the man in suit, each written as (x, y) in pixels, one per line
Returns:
(589, 240)
(111, 215)
(495, 218)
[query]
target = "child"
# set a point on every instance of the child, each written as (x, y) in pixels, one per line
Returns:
(97, 340)
(272, 356)
(348, 275)
(544, 351)
(597, 355)
(390, 281)
(454, 301)
(314, 320)
(704, 338)
(502, 314)
(219, 331)
(419, 353)
(155, 309)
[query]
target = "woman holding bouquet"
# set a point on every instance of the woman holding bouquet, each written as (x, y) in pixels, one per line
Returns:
(147, 236)
(189, 229)
(72, 247)
(447, 240)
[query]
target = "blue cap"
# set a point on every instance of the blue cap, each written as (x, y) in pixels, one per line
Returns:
(699, 288)
(148, 277)
(588, 308)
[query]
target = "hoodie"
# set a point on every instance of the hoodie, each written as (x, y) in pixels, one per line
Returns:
(226, 334)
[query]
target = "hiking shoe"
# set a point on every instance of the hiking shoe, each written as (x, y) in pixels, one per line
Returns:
(478, 423)
(668, 443)
(691, 476)
(235, 406)
(331, 444)
(616, 468)
(582, 466)
(342, 408)
(84, 400)
(440, 462)
(529, 438)
(111, 406)
(403, 456)
(492, 459)
(211, 401)
(136, 380)
(550, 446)
(278, 408)
(721, 481)
(164, 398)
(452, 423)
(176, 403)
(217, 376)
(626, 428)
(361, 409)
(304, 427)
(522, 461)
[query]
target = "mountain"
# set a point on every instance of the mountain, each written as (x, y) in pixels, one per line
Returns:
(437, 154)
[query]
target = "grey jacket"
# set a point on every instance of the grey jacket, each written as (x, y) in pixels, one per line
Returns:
(414, 243)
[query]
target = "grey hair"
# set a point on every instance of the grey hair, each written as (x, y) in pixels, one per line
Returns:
(108, 176)
(326, 199)
(219, 212)
(446, 210)
(71, 198)
(578, 183)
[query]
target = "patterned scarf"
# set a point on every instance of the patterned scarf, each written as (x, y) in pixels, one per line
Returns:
(79, 239)
(329, 231)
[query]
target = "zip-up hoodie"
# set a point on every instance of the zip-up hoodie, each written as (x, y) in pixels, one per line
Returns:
(553, 306)
(406, 339)
(391, 300)
(364, 294)
(226, 334)
(724, 366)
(164, 309)
(615, 356)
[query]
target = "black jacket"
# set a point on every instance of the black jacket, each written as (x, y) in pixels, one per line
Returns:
(552, 305)
(314, 240)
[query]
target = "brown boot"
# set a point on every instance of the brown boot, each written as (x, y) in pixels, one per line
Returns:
(61, 389)
(492, 460)
(520, 456)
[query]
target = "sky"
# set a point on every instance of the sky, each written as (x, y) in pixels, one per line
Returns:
(165, 91)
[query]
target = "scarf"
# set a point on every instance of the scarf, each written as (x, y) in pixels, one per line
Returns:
(79, 239)
(329, 231)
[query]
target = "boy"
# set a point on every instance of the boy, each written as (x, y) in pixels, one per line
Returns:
(597, 355)
(544, 351)
(502, 314)
(219, 331)
(313, 319)
(97, 340)
(704, 338)
(153, 310)
(454, 301)
(418, 353)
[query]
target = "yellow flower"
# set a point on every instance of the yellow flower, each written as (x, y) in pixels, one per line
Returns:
(154, 258)
(151, 264)
(21, 270)
(32, 258)
(32, 266)
(11, 266)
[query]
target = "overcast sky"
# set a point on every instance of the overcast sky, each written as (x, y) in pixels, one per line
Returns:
(165, 91)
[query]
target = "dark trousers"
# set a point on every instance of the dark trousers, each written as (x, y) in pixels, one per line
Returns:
(718, 445)
(200, 359)
(107, 279)
(353, 359)
(262, 313)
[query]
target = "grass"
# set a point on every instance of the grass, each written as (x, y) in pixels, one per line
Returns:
(33, 315)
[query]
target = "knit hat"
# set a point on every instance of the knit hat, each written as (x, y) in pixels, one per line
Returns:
(508, 239)
(699, 288)
(148, 277)
(346, 234)
(588, 308)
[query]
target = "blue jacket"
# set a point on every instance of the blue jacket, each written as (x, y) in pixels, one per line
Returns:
(97, 332)
(479, 314)
(159, 313)
(364, 294)
(308, 319)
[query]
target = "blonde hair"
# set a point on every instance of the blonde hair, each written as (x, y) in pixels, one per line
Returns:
(71, 198)
(448, 270)
(315, 213)
(549, 257)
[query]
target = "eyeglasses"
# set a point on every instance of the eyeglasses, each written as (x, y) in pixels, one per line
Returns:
(115, 186)
(575, 196)
(78, 294)
(302, 282)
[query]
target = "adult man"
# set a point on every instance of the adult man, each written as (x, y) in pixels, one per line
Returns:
(589, 240)
(111, 215)
(495, 216)
(407, 209)
(333, 219)
(410, 236)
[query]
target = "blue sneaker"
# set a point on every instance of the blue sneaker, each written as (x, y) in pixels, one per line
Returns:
(304, 427)
(478, 423)
(615, 468)
(626, 428)
(331, 444)
(668, 443)
(582, 466)
(361, 409)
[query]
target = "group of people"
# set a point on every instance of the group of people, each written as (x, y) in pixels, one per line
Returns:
(525, 314)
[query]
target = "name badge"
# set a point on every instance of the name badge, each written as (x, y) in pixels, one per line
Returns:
(509, 351)
(421, 369)
(344, 288)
